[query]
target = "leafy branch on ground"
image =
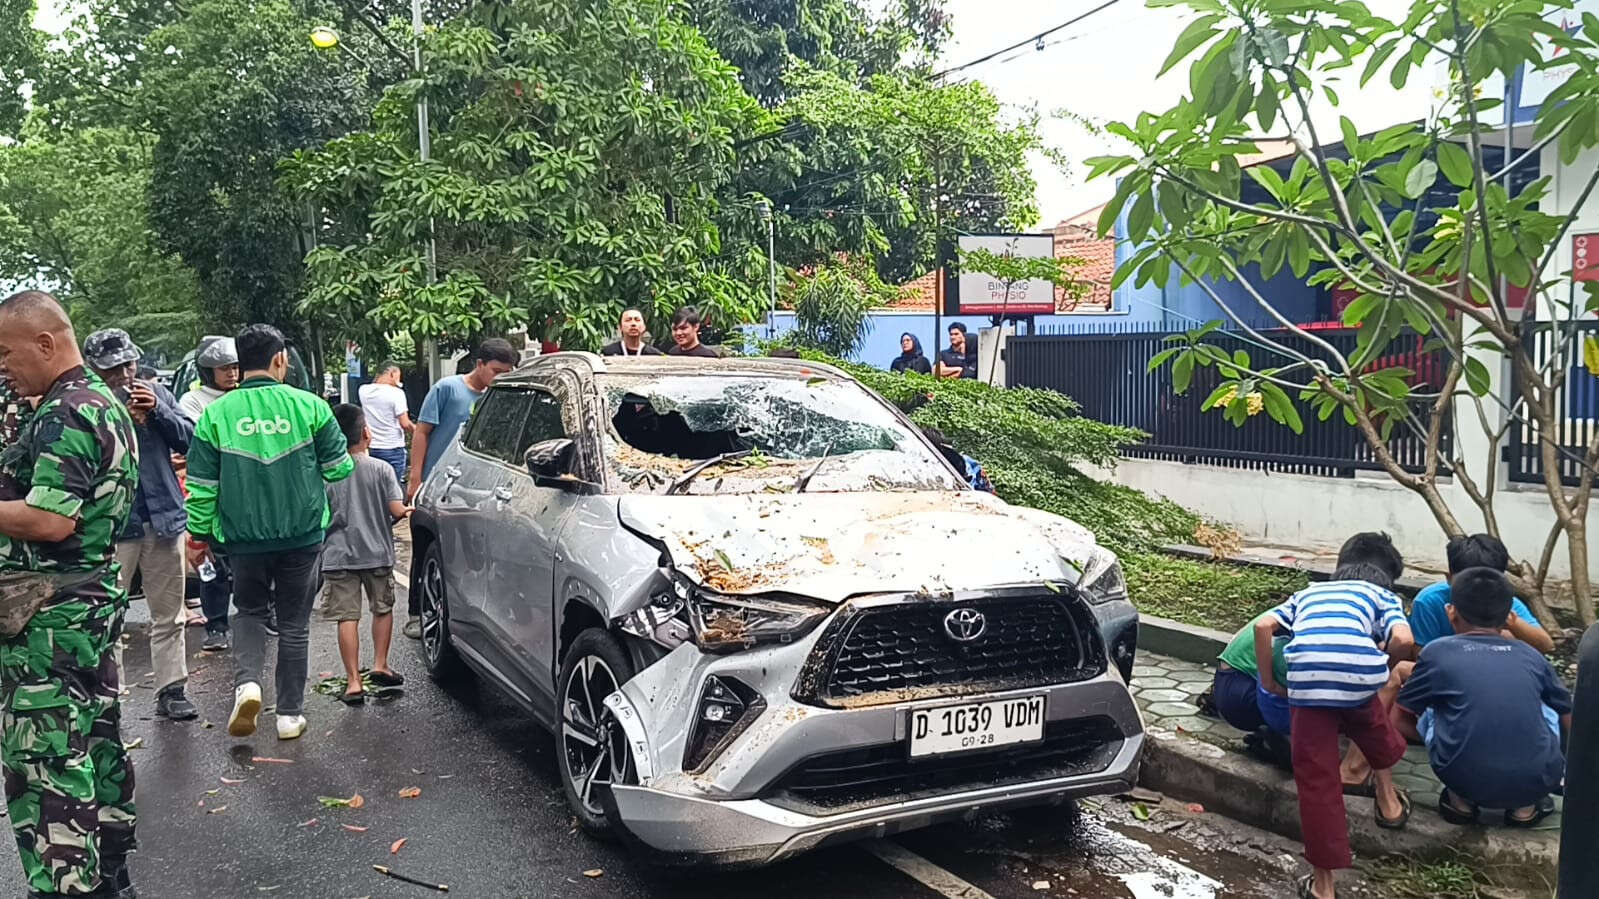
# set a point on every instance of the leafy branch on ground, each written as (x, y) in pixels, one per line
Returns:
(1032, 443)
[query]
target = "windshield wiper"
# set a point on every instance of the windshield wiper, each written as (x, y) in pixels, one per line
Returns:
(694, 472)
(805, 479)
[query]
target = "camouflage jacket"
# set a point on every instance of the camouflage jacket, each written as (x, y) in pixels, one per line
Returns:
(76, 456)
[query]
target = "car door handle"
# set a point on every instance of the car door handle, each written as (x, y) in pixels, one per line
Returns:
(453, 472)
(502, 493)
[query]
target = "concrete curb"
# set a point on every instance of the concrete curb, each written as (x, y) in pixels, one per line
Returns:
(1240, 787)
(1188, 642)
(1407, 587)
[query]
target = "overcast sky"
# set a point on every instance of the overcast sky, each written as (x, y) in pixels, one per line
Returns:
(1103, 68)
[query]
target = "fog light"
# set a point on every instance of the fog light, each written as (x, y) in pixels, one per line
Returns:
(727, 706)
(1124, 651)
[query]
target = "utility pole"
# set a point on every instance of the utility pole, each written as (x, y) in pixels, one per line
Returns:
(771, 268)
(424, 144)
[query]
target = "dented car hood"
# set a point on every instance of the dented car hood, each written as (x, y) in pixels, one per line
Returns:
(831, 546)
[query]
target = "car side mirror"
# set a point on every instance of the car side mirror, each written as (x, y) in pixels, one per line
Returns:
(551, 463)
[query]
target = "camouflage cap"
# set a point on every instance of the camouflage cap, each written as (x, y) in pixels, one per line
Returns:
(110, 348)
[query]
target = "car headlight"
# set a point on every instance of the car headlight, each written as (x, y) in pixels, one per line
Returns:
(730, 623)
(1102, 579)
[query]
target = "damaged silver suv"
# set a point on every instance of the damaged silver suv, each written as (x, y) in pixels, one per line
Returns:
(762, 613)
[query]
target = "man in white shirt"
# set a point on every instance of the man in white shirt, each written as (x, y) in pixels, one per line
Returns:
(388, 418)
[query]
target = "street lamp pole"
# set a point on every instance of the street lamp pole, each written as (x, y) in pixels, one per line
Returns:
(325, 38)
(424, 143)
(771, 269)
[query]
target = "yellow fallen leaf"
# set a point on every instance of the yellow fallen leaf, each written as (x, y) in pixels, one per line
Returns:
(410, 792)
(218, 810)
(394, 848)
(357, 801)
(594, 872)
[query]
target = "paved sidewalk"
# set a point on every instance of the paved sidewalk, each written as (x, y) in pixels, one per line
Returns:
(1166, 688)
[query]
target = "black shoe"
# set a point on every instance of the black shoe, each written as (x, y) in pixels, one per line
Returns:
(215, 641)
(386, 679)
(171, 703)
(114, 877)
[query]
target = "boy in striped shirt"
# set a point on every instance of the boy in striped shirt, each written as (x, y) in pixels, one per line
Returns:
(1345, 634)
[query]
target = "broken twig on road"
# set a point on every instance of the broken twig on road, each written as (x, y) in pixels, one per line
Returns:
(386, 872)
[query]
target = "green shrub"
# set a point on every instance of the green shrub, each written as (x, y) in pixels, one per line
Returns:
(1030, 441)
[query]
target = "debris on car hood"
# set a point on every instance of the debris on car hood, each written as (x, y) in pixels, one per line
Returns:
(832, 546)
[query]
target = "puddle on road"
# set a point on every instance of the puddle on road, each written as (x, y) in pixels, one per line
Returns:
(1174, 855)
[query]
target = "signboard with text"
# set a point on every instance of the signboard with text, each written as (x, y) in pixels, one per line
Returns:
(980, 293)
(1585, 257)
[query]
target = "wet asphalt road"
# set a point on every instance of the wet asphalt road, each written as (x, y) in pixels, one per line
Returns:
(491, 820)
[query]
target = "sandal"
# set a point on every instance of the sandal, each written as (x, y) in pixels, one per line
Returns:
(1404, 813)
(1366, 789)
(353, 698)
(1305, 884)
(1448, 811)
(1543, 809)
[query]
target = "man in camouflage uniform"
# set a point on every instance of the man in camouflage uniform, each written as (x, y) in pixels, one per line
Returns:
(68, 781)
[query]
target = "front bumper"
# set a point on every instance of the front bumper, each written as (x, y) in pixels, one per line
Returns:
(685, 830)
(739, 810)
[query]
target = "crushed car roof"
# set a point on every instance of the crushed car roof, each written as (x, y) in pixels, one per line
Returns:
(676, 365)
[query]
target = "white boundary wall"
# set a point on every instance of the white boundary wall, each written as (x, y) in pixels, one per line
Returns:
(1317, 512)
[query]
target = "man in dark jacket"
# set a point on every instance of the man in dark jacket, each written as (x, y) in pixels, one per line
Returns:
(634, 337)
(152, 542)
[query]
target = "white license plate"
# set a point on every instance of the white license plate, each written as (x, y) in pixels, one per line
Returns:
(940, 730)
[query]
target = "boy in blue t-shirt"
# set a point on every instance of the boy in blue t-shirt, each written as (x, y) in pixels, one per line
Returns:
(1476, 700)
(1429, 619)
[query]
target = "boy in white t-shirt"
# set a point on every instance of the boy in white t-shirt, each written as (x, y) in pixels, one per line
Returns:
(388, 418)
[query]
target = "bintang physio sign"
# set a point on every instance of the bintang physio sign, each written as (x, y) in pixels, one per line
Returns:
(983, 294)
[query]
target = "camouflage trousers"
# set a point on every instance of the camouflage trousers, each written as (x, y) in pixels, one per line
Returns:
(68, 780)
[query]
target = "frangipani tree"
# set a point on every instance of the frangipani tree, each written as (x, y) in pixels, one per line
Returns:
(1363, 213)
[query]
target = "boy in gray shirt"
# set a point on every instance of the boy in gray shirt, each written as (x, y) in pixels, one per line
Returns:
(359, 555)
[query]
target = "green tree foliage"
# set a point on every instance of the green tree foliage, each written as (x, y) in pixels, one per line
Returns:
(72, 220)
(765, 40)
(236, 94)
(890, 168)
(1413, 219)
(577, 152)
(831, 311)
(20, 49)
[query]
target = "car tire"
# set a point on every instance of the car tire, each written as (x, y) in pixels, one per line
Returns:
(591, 749)
(443, 663)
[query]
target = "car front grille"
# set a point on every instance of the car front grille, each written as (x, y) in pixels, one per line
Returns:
(903, 651)
(854, 779)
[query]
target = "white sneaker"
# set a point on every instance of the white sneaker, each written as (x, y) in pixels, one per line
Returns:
(290, 726)
(246, 705)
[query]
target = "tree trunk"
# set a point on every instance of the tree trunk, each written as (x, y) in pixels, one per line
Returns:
(1577, 547)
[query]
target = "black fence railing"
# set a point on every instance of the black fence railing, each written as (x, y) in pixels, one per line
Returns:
(1107, 375)
(1576, 404)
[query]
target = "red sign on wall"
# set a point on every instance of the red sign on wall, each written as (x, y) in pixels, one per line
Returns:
(1585, 257)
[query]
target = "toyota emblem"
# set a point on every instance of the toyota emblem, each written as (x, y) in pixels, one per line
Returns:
(965, 625)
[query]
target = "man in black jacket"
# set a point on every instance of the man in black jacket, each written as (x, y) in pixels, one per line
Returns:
(634, 340)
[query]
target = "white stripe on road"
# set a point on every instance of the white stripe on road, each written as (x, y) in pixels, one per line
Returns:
(923, 871)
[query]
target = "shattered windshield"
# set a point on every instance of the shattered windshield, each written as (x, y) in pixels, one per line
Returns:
(774, 431)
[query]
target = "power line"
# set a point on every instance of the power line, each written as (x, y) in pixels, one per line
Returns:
(1035, 39)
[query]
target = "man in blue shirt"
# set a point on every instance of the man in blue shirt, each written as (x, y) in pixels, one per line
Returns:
(448, 406)
(1476, 700)
(1429, 619)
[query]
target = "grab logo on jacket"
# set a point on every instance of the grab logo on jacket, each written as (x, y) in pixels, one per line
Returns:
(249, 427)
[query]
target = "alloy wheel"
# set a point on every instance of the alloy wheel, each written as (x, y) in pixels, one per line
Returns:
(432, 605)
(595, 747)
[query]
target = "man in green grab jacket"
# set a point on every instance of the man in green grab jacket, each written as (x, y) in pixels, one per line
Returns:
(257, 465)
(68, 488)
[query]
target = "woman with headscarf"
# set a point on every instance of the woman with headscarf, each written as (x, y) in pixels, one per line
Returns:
(910, 357)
